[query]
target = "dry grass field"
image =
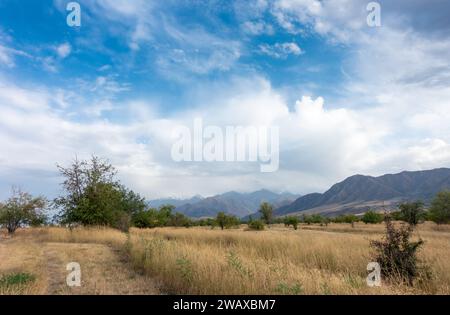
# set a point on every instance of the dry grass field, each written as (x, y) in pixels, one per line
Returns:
(312, 260)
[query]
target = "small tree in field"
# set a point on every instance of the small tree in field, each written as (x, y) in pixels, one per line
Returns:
(22, 209)
(440, 208)
(226, 221)
(412, 212)
(291, 220)
(266, 211)
(372, 217)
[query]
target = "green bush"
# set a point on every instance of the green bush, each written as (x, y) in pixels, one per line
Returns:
(372, 217)
(256, 225)
(440, 208)
(225, 221)
(397, 255)
(412, 212)
(291, 220)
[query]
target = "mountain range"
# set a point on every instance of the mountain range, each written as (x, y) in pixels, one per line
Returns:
(239, 204)
(359, 193)
(355, 194)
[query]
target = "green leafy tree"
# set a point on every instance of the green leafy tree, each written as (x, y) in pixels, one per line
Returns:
(94, 197)
(145, 219)
(165, 215)
(266, 211)
(226, 221)
(180, 220)
(372, 217)
(440, 208)
(22, 209)
(412, 212)
(291, 220)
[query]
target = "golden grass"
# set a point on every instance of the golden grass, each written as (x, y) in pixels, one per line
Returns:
(203, 261)
(312, 260)
(45, 254)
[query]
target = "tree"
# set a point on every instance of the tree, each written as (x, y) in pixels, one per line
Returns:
(440, 208)
(372, 217)
(22, 209)
(226, 221)
(291, 220)
(180, 220)
(412, 212)
(94, 197)
(266, 211)
(165, 215)
(145, 219)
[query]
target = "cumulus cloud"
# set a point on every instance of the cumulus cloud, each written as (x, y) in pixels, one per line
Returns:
(317, 143)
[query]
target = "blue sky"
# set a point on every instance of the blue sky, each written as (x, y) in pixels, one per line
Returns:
(348, 98)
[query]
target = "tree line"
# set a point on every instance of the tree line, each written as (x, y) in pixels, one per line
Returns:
(93, 196)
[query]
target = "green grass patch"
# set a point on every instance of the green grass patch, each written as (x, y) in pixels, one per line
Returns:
(16, 279)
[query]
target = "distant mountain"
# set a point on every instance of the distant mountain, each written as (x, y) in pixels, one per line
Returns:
(359, 193)
(239, 204)
(173, 201)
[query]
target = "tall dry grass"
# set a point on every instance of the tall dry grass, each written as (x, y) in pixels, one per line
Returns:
(202, 261)
(313, 260)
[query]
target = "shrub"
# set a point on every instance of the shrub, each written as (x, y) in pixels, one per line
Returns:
(412, 212)
(291, 220)
(257, 225)
(396, 254)
(440, 208)
(372, 217)
(226, 221)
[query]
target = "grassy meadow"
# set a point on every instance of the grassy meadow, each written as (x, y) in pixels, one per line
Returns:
(311, 260)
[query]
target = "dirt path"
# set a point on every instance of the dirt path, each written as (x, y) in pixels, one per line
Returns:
(104, 271)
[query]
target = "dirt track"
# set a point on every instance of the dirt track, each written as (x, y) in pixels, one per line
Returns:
(104, 270)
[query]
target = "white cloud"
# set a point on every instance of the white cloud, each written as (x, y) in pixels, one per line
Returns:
(320, 144)
(281, 50)
(257, 28)
(64, 50)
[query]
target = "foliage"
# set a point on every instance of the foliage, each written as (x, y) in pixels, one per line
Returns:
(347, 218)
(396, 254)
(266, 211)
(314, 218)
(22, 209)
(412, 212)
(225, 221)
(94, 197)
(291, 220)
(257, 225)
(440, 208)
(372, 217)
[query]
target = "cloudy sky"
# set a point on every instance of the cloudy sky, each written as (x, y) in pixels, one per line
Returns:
(348, 98)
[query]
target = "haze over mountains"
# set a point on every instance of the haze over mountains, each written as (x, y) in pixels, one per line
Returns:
(356, 194)
(239, 204)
